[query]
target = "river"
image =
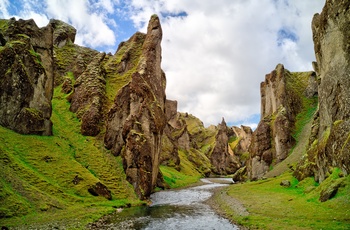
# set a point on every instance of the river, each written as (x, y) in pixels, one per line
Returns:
(174, 209)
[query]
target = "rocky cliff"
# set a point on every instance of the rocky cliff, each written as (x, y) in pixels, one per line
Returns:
(284, 95)
(137, 119)
(26, 71)
(329, 142)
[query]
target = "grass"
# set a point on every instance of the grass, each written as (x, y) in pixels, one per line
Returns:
(272, 206)
(37, 174)
(296, 83)
(186, 176)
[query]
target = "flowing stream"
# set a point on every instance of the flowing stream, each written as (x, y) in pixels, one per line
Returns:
(174, 209)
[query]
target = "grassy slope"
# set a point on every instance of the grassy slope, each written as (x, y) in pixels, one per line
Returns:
(37, 174)
(272, 206)
(187, 174)
(297, 83)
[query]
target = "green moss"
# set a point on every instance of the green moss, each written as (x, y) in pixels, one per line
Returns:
(36, 56)
(116, 78)
(35, 113)
(296, 84)
(3, 25)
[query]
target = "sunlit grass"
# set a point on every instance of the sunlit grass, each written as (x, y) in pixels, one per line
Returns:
(272, 206)
(37, 174)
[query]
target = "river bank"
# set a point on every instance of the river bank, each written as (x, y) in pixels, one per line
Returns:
(265, 204)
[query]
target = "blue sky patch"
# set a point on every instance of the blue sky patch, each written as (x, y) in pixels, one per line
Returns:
(286, 34)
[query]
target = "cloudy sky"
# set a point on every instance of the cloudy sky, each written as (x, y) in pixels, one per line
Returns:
(215, 53)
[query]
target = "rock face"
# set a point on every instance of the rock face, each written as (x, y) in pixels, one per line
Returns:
(282, 98)
(241, 145)
(331, 146)
(332, 48)
(175, 136)
(26, 73)
(89, 97)
(137, 119)
(222, 158)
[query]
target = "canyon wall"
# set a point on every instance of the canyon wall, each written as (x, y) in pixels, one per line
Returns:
(329, 141)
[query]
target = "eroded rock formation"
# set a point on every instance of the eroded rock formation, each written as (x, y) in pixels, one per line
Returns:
(282, 98)
(222, 157)
(137, 119)
(26, 71)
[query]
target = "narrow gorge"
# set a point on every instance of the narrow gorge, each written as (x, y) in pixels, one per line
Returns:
(84, 133)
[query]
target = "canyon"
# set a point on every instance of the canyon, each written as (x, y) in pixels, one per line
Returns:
(82, 126)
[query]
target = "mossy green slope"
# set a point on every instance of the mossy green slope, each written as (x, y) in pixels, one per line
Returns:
(46, 178)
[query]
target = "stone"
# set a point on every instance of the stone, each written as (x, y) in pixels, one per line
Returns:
(89, 97)
(240, 175)
(285, 183)
(100, 189)
(330, 191)
(26, 71)
(63, 33)
(282, 99)
(329, 139)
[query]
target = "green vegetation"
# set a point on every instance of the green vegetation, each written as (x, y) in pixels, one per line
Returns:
(272, 206)
(296, 84)
(36, 56)
(46, 178)
(3, 25)
(118, 74)
(185, 176)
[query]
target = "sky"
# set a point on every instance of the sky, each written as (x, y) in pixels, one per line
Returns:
(215, 54)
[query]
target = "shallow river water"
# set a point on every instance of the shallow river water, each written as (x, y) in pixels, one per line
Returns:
(174, 209)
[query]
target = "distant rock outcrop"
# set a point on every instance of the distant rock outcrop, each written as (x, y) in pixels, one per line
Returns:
(222, 157)
(329, 142)
(242, 142)
(26, 71)
(137, 119)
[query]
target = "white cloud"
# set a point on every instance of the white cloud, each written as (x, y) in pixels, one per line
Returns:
(215, 53)
(91, 18)
(4, 4)
(216, 57)
(88, 17)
